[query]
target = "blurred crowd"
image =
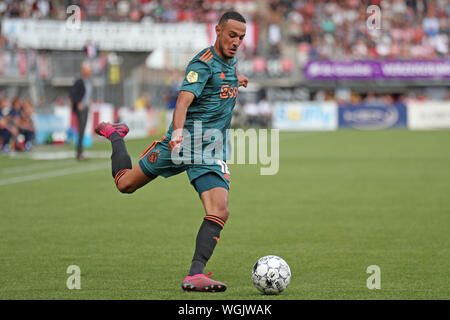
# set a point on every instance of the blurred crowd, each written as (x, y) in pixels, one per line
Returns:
(339, 29)
(126, 10)
(16, 124)
(316, 29)
(345, 97)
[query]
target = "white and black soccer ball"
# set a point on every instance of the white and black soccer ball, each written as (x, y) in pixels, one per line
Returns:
(271, 275)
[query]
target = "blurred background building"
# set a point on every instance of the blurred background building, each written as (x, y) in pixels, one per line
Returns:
(299, 55)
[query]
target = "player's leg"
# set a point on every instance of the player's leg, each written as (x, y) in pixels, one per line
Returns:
(82, 120)
(215, 202)
(127, 178)
(213, 191)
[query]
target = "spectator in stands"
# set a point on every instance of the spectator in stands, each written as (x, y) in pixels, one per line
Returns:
(387, 100)
(430, 24)
(13, 119)
(81, 96)
(342, 96)
(265, 112)
(320, 96)
(274, 38)
(90, 49)
(251, 113)
(16, 125)
(5, 131)
(371, 99)
(360, 50)
(258, 114)
(5, 107)
(274, 35)
(143, 102)
(355, 99)
(5, 135)
(25, 125)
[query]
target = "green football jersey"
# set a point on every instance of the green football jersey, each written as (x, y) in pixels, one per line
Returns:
(214, 83)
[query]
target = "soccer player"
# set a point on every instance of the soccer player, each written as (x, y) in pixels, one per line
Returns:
(207, 96)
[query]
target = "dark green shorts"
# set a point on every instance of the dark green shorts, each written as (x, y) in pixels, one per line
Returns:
(156, 161)
(208, 181)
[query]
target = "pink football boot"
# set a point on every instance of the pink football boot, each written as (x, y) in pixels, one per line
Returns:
(202, 283)
(106, 129)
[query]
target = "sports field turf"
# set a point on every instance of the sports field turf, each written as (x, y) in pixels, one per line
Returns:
(341, 201)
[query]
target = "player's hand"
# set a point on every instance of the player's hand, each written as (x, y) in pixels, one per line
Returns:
(175, 144)
(243, 81)
(80, 107)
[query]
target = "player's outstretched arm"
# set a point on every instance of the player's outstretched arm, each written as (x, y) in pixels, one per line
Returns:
(184, 100)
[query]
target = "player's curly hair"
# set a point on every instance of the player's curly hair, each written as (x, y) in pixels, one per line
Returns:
(231, 15)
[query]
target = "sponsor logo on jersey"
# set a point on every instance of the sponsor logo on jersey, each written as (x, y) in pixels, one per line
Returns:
(227, 92)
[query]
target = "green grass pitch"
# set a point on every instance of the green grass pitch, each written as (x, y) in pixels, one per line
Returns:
(341, 201)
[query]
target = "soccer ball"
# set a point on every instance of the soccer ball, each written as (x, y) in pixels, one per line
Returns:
(271, 275)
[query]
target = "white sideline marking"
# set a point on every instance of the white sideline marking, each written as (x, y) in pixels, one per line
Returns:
(58, 155)
(52, 174)
(34, 166)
